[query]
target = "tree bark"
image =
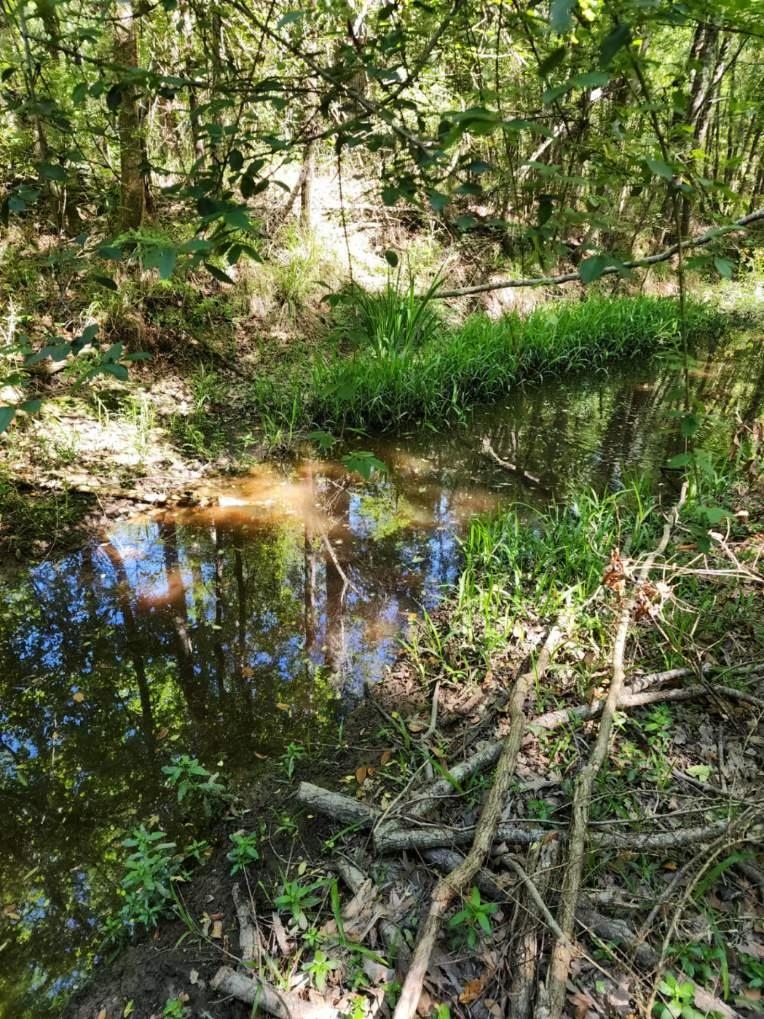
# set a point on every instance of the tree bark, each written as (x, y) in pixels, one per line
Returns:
(132, 148)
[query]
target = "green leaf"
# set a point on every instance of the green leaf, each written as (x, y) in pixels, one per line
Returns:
(554, 59)
(235, 159)
(7, 415)
(105, 281)
(117, 370)
(618, 38)
(390, 194)
(724, 267)
(114, 97)
(561, 15)
(680, 460)
(659, 168)
(391, 257)
(218, 274)
(290, 19)
(592, 268)
(238, 219)
(166, 262)
(438, 201)
(247, 186)
(52, 171)
(31, 406)
(364, 463)
(109, 252)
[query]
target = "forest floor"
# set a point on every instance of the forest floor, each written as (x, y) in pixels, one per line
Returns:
(667, 914)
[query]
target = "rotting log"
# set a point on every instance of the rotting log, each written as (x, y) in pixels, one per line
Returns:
(336, 805)
(398, 840)
(282, 1004)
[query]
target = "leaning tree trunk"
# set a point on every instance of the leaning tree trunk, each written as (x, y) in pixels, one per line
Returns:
(130, 127)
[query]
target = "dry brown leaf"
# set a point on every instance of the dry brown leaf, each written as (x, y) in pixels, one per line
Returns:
(472, 990)
(78, 697)
(103, 1014)
(581, 1003)
(385, 757)
(416, 725)
(217, 930)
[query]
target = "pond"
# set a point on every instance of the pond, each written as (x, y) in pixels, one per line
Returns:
(232, 630)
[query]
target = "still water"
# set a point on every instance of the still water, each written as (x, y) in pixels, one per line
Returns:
(228, 631)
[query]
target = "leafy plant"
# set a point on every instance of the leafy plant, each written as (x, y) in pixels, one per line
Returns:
(294, 752)
(705, 964)
(192, 780)
(175, 1008)
(296, 898)
(472, 918)
(245, 850)
(319, 968)
(149, 871)
(678, 998)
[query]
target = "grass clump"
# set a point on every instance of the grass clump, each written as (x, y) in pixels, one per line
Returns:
(403, 374)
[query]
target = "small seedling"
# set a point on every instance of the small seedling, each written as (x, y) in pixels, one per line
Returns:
(244, 851)
(293, 753)
(319, 968)
(475, 916)
(191, 779)
(678, 999)
(175, 1008)
(295, 898)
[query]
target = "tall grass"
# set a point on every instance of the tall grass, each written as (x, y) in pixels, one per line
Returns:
(537, 559)
(483, 358)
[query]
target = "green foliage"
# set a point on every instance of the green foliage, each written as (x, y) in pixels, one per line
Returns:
(193, 782)
(245, 850)
(149, 871)
(296, 897)
(391, 324)
(175, 1008)
(473, 918)
(567, 547)
(319, 968)
(677, 999)
(293, 753)
(484, 358)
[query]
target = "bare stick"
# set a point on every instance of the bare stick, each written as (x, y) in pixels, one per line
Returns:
(282, 1004)
(456, 882)
(562, 953)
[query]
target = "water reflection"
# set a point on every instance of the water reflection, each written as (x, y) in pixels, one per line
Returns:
(230, 630)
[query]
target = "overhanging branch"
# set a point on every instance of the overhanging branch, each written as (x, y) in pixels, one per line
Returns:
(637, 263)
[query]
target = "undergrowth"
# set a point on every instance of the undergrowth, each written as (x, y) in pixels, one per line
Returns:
(408, 366)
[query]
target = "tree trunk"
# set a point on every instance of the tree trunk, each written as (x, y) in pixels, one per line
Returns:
(132, 170)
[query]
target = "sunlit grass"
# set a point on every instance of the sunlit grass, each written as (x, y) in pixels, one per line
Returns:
(484, 358)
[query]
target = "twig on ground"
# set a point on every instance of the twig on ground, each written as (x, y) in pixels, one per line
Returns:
(458, 880)
(562, 952)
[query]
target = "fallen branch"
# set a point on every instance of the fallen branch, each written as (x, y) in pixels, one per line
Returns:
(398, 840)
(488, 449)
(282, 1004)
(562, 953)
(343, 808)
(458, 880)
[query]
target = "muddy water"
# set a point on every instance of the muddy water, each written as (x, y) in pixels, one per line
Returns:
(230, 631)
